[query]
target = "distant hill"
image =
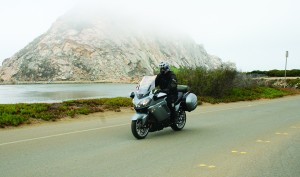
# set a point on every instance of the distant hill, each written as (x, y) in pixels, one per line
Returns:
(101, 47)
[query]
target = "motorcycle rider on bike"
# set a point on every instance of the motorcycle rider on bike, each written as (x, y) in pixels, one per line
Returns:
(167, 82)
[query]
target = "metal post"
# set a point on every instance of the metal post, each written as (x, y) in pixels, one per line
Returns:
(286, 56)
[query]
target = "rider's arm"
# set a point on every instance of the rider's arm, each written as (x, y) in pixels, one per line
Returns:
(173, 82)
(157, 80)
(172, 85)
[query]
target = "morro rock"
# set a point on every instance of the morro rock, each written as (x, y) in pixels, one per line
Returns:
(101, 47)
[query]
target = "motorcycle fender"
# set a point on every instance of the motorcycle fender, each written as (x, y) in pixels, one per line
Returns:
(142, 116)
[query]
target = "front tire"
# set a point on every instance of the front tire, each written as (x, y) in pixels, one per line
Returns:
(179, 121)
(139, 130)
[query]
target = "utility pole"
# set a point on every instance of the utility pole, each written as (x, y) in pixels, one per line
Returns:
(286, 56)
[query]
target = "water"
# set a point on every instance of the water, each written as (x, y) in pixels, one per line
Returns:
(50, 93)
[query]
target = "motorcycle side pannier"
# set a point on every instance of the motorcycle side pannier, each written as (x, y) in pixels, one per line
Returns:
(189, 102)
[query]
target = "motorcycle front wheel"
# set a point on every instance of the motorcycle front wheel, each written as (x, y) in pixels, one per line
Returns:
(139, 130)
(179, 121)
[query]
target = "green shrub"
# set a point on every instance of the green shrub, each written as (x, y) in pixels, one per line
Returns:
(83, 110)
(8, 108)
(247, 94)
(45, 116)
(211, 83)
(119, 102)
(7, 119)
(71, 113)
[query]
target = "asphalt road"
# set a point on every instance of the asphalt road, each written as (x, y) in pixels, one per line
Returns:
(246, 139)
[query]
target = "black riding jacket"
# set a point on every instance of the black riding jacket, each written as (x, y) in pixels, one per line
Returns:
(167, 83)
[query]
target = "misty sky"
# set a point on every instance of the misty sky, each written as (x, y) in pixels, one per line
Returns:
(252, 34)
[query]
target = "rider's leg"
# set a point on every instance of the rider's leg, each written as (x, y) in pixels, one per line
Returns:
(170, 102)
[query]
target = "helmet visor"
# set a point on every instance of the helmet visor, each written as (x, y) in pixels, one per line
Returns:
(162, 70)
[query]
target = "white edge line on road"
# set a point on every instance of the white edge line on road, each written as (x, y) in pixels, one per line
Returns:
(62, 134)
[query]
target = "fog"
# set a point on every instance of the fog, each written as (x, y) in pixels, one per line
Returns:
(151, 15)
(253, 34)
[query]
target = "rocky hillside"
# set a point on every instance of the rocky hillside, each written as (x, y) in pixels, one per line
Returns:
(99, 47)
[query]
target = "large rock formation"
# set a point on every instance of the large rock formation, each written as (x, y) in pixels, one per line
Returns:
(99, 47)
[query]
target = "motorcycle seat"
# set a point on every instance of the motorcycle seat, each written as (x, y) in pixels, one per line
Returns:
(182, 88)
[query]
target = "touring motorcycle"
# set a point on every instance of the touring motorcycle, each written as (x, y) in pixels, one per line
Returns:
(153, 114)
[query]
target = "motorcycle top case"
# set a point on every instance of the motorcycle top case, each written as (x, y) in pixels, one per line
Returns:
(190, 102)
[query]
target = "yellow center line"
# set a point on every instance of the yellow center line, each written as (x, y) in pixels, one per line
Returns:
(207, 166)
(262, 141)
(211, 166)
(237, 152)
(279, 133)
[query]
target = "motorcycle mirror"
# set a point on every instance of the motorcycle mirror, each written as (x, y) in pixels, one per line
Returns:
(132, 95)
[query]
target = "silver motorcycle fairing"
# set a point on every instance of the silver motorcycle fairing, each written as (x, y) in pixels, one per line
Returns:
(142, 116)
(160, 109)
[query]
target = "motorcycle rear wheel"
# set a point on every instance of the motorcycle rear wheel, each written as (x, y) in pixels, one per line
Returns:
(139, 130)
(179, 121)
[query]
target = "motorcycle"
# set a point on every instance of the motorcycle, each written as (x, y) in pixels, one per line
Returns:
(153, 114)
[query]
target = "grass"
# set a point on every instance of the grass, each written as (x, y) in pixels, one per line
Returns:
(17, 114)
(249, 94)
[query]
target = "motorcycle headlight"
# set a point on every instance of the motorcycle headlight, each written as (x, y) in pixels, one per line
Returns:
(145, 102)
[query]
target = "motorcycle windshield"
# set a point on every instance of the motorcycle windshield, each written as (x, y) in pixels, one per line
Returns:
(146, 85)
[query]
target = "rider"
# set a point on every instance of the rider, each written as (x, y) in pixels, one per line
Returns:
(167, 82)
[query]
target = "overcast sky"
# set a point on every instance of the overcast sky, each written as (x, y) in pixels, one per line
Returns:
(252, 34)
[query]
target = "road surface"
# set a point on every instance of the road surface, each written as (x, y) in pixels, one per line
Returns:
(245, 139)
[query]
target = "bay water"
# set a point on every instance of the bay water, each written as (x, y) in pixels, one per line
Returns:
(51, 93)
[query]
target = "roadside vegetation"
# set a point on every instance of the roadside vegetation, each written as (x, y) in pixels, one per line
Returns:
(224, 84)
(17, 114)
(276, 73)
